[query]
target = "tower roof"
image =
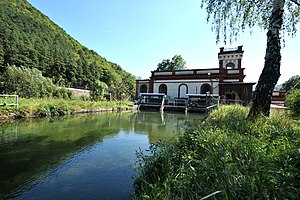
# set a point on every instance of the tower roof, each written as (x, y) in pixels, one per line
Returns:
(238, 49)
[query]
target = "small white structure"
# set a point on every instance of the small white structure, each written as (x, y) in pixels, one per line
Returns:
(9, 100)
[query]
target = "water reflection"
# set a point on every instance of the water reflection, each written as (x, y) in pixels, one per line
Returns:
(78, 157)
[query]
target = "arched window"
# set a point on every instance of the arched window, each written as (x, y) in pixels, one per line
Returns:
(163, 89)
(143, 88)
(230, 65)
(205, 88)
(182, 90)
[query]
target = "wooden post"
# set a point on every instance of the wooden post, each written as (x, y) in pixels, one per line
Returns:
(17, 101)
(162, 105)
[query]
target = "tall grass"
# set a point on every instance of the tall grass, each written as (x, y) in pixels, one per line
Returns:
(55, 106)
(225, 157)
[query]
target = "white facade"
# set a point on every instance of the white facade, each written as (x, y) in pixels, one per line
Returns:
(225, 80)
(179, 88)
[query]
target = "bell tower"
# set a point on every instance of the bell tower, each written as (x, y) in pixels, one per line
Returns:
(230, 58)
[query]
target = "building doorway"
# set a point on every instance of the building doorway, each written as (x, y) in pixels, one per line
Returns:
(232, 97)
(182, 91)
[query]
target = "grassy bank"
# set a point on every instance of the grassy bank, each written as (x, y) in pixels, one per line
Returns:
(55, 107)
(225, 157)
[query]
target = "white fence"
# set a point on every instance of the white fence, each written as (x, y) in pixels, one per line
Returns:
(9, 100)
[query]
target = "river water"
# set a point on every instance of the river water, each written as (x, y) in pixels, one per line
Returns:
(82, 156)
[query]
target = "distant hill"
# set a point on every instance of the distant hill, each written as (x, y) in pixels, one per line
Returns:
(29, 38)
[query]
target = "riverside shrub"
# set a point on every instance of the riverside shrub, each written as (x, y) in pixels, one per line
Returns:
(293, 102)
(226, 157)
(29, 82)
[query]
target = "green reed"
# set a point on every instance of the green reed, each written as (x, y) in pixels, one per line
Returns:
(225, 157)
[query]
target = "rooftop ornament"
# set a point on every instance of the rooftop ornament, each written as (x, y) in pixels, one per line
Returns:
(231, 49)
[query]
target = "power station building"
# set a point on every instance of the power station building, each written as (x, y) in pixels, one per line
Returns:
(227, 80)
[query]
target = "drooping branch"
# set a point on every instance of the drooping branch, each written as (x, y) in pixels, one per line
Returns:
(297, 2)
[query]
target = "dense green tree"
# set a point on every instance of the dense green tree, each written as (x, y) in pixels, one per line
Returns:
(129, 85)
(1, 55)
(176, 63)
(30, 39)
(99, 90)
(229, 18)
(293, 102)
(292, 83)
(27, 82)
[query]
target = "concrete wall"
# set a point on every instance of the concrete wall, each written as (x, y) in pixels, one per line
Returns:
(79, 92)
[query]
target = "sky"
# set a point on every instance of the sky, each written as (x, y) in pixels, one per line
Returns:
(139, 34)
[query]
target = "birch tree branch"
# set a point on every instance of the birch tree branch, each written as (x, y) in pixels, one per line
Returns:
(297, 2)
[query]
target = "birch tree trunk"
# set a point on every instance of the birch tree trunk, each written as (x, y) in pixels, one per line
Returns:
(271, 71)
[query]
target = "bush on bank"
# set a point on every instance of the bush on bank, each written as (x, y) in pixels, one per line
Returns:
(30, 83)
(55, 107)
(225, 157)
(293, 102)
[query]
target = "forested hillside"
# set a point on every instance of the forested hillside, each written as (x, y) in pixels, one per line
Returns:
(29, 38)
